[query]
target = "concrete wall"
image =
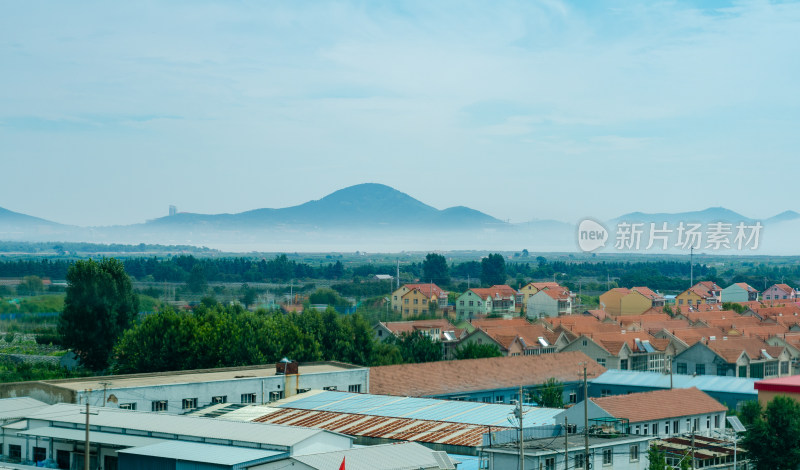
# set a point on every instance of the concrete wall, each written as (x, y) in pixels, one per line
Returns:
(44, 392)
(634, 304)
(733, 293)
(233, 389)
(541, 305)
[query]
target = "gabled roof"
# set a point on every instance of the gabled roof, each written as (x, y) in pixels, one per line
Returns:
(495, 292)
(613, 341)
(645, 291)
(783, 287)
(506, 331)
(660, 404)
(692, 335)
(402, 455)
(444, 325)
(427, 288)
(745, 286)
(469, 375)
(732, 348)
(556, 294)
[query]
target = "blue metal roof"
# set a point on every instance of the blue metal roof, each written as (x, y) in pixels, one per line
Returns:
(467, 412)
(706, 383)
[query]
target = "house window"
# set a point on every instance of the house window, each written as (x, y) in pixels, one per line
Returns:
(770, 369)
(601, 361)
(248, 398)
(573, 397)
(219, 399)
(127, 406)
(785, 368)
(757, 370)
(461, 302)
(605, 392)
(550, 463)
(159, 405)
(415, 311)
(486, 399)
(331, 388)
(14, 452)
(405, 301)
(680, 368)
(608, 457)
(716, 421)
(722, 370)
(416, 301)
(646, 429)
(666, 428)
(708, 422)
(579, 460)
(356, 388)
(676, 426)
(700, 369)
(623, 364)
(499, 399)
(273, 396)
(470, 303)
(395, 297)
(634, 453)
(637, 429)
(39, 454)
(584, 342)
(189, 403)
(680, 301)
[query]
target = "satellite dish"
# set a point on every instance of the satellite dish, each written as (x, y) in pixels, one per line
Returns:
(736, 424)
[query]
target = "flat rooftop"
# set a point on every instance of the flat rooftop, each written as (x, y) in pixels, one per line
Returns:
(191, 376)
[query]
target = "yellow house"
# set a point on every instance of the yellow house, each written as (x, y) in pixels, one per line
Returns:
(528, 290)
(416, 302)
(429, 288)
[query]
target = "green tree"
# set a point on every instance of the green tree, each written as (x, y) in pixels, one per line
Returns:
(434, 269)
(472, 350)
(99, 306)
(248, 295)
(30, 285)
(493, 270)
(550, 394)
(416, 347)
(197, 282)
(736, 307)
(657, 459)
(773, 439)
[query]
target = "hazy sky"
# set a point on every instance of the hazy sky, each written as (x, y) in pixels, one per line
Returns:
(111, 111)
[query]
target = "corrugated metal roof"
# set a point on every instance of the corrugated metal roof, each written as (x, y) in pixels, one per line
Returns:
(707, 383)
(485, 414)
(383, 427)
(400, 456)
(11, 408)
(280, 436)
(206, 453)
(79, 435)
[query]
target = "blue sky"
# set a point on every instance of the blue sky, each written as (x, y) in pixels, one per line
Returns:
(110, 111)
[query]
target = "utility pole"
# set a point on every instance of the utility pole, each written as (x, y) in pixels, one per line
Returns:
(105, 387)
(691, 266)
(86, 443)
(694, 429)
(521, 433)
(585, 420)
(566, 444)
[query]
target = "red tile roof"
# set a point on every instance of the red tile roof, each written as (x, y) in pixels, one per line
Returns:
(645, 291)
(470, 375)
(660, 404)
(427, 288)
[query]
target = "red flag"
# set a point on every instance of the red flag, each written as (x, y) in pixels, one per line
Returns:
(341, 467)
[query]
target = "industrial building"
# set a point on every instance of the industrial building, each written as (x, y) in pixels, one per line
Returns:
(182, 391)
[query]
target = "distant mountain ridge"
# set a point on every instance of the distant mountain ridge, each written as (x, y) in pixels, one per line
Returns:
(366, 204)
(370, 217)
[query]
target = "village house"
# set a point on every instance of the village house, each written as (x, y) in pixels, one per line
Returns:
(780, 292)
(739, 292)
(495, 300)
(550, 302)
(661, 413)
(705, 292)
(633, 301)
(515, 336)
(428, 291)
(734, 357)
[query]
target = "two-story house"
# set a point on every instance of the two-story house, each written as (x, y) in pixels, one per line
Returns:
(739, 292)
(515, 336)
(780, 292)
(424, 294)
(633, 301)
(705, 292)
(733, 357)
(625, 350)
(550, 302)
(662, 413)
(439, 329)
(498, 300)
